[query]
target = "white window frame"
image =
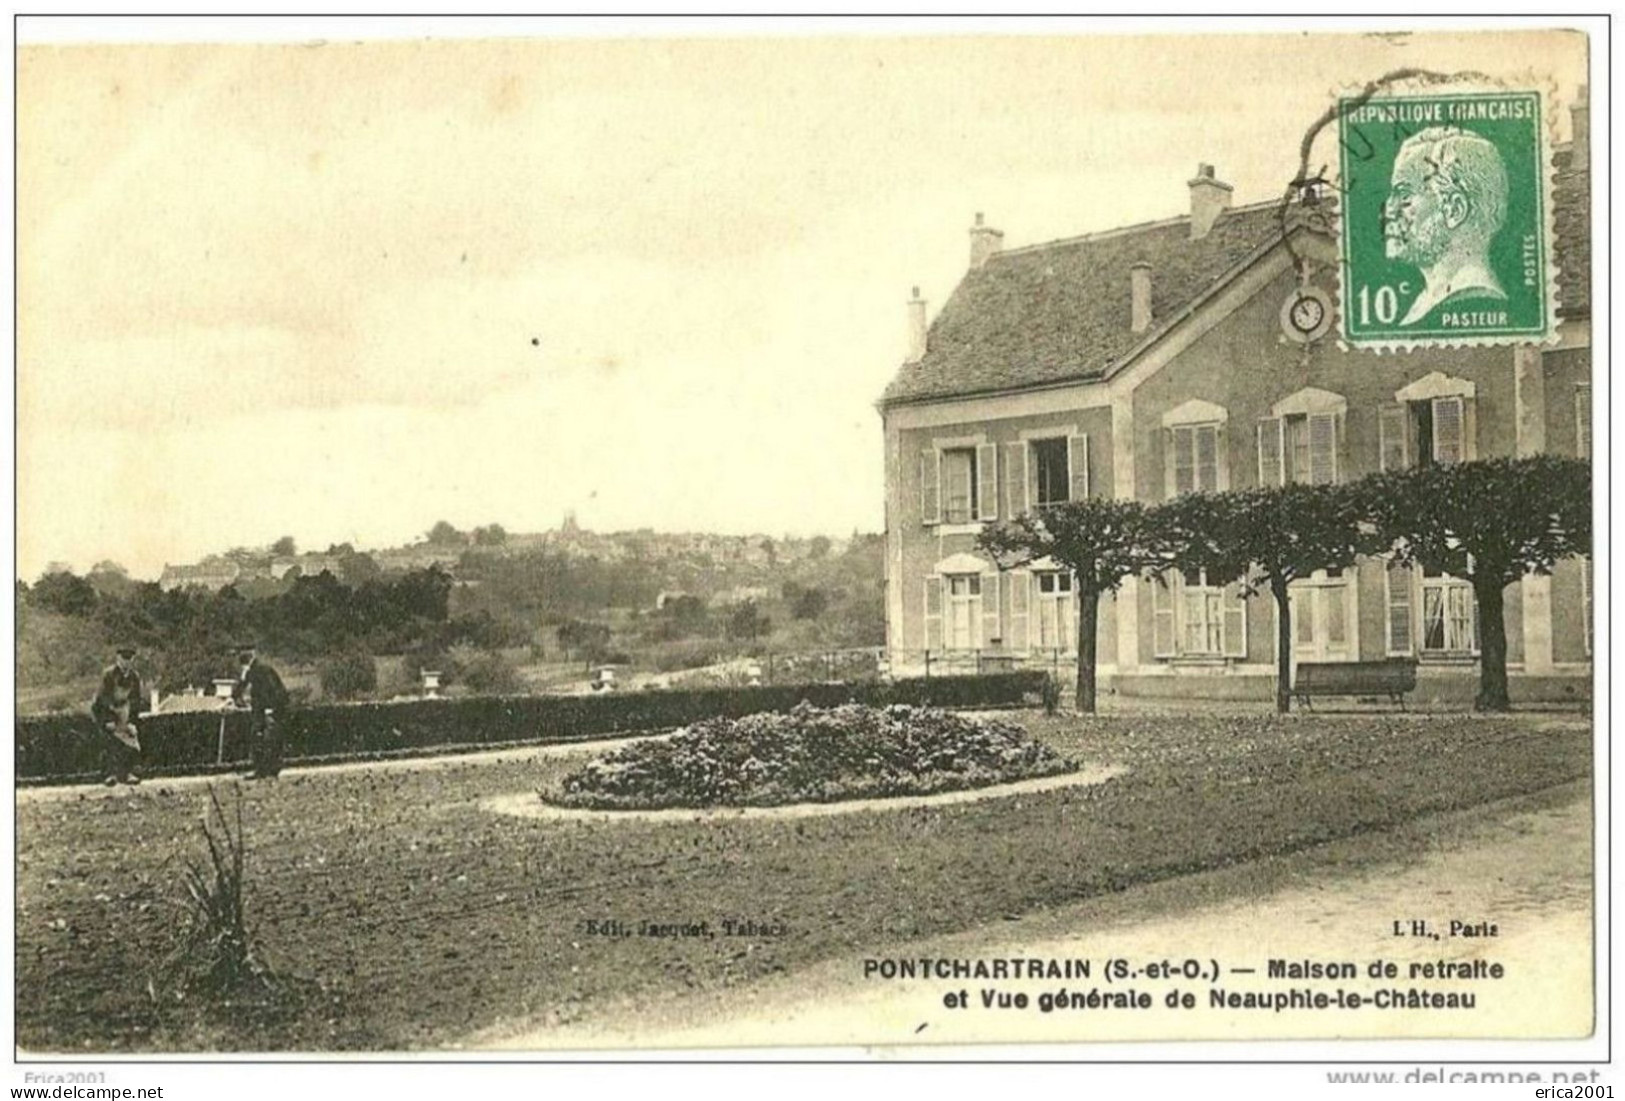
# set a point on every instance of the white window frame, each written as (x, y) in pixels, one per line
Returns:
(1211, 622)
(1445, 584)
(971, 601)
(1055, 610)
(971, 487)
(1309, 406)
(1194, 431)
(1195, 416)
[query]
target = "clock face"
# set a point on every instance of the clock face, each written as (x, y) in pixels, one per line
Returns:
(1306, 314)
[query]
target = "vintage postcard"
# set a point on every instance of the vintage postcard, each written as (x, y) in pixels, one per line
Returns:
(638, 540)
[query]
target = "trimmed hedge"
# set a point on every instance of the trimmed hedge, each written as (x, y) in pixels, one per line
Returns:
(66, 747)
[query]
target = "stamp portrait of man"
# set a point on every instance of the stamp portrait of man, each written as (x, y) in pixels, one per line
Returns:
(1446, 202)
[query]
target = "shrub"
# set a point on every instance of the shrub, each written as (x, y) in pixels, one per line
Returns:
(811, 754)
(65, 747)
(348, 675)
(490, 671)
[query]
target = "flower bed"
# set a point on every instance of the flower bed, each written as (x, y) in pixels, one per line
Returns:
(811, 755)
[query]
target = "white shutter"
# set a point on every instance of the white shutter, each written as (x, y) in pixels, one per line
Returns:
(1077, 465)
(1234, 626)
(1322, 448)
(987, 474)
(1162, 614)
(1449, 430)
(1015, 480)
(991, 634)
(1393, 431)
(1208, 478)
(1221, 460)
(1270, 471)
(933, 613)
(931, 486)
(1020, 582)
(1400, 640)
(1182, 461)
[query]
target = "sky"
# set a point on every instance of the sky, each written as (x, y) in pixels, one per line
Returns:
(344, 290)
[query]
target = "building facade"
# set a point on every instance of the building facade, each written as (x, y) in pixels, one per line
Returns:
(1158, 359)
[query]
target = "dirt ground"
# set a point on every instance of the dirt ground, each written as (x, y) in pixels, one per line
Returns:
(417, 919)
(1523, 864)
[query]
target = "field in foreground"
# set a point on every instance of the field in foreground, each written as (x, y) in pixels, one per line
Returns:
(426, 919)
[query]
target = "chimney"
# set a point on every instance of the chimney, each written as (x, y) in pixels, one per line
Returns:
(1139, 284)
(1210, 197)
(985, 243)
(1580, 124)
(916, 328)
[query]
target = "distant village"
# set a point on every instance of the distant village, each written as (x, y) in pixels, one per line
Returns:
(447, 550)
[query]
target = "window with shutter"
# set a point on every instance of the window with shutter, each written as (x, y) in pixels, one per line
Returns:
(931, 486)
(1393, 429)
(987, 470)
(1077, 461)
(1195, 458)
(933, 613)
(1015, 480)
(1400, 642)
(1269, 452)
(1162, 615)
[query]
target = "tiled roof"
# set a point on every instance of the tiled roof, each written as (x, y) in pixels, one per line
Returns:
(1059, 312)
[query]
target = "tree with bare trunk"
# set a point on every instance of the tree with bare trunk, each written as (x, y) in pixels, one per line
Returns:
(1490, 523)
(1101, 540)
(1266, 539)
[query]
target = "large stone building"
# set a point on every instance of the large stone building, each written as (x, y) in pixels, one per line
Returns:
(1150, 360)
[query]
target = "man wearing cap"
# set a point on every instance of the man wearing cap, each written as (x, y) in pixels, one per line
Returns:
(117, 703)
(260, 690)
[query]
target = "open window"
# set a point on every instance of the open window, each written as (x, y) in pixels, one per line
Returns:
(1433, 420)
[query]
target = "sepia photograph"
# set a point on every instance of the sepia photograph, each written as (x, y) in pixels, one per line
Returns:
(636, 538)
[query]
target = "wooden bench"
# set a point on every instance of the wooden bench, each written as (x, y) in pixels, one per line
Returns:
(1354, 678)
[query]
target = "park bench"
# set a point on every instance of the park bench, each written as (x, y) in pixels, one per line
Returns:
(1354, 678)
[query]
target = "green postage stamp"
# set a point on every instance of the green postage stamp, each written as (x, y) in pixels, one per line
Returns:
(1445, 232)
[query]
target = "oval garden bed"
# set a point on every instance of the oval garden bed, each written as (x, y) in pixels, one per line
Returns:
(810, 755)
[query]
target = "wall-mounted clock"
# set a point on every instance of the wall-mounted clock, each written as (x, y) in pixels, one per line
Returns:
(1306, 314)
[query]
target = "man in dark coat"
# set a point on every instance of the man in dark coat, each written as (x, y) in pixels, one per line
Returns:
(117, 703)
(261, 692)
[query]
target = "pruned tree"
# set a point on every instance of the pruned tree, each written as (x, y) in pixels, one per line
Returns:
(1266, 539)
(1101, 540)
(1489, 523)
